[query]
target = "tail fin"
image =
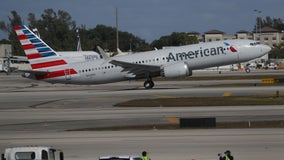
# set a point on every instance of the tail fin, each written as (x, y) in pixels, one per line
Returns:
(42, 57)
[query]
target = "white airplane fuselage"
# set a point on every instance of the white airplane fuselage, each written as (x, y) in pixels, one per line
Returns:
(196, 56)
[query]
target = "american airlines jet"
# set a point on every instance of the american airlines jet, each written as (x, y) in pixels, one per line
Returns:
(49, 66)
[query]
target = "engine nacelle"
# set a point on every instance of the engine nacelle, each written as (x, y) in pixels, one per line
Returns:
(176, 70)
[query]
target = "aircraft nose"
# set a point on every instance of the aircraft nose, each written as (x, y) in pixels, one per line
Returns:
(265, 48)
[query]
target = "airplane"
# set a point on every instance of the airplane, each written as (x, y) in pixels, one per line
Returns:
(49, 66)
(72, 56)
(80, 55)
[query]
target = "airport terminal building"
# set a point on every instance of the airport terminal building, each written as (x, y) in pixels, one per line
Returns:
(5, 51)
(265, 35)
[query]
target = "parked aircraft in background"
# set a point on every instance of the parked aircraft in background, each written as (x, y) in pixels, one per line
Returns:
(79, 56)
(71, 56)
(49, 66)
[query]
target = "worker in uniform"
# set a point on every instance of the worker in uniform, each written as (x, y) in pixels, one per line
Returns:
(227, 156)
(144, 156)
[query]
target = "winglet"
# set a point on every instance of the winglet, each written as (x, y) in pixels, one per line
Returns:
(103, 53)
(119, 51)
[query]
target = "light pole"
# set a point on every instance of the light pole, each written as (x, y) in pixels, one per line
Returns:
(258, 22)
(79, 47)
(117, 36)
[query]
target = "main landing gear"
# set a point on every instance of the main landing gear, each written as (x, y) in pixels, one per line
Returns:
(148, 84)
(247, 70)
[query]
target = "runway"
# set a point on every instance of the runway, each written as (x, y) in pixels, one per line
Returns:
(38, 113)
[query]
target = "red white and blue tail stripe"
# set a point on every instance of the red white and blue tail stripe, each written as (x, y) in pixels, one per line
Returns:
(41, 56)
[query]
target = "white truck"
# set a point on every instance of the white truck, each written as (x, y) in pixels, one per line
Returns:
(32, 153)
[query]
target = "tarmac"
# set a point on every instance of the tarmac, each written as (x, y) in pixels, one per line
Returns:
(38, 113)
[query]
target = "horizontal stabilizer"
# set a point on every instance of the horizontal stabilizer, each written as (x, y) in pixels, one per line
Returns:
(32, 74)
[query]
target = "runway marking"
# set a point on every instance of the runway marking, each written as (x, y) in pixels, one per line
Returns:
(227, 94)
(173, 120)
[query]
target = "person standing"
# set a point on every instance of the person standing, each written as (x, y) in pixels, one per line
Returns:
(227, 156)
(144, 156)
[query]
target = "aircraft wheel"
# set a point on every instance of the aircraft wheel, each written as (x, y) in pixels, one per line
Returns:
(247, 70)
(149, 84)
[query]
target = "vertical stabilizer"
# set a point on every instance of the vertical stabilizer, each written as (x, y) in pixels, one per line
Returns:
(41, 57)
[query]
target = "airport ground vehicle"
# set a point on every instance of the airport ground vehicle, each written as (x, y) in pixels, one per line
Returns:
(271, 66)
(32, 153)
(120, 158)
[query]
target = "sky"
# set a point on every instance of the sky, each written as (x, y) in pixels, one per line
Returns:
(151, 19)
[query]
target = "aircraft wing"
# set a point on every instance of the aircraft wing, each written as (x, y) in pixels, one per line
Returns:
(139, 70)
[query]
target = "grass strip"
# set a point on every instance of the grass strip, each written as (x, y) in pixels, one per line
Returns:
(203, 101)
(220, 77)
(220, 125)
(252, 124)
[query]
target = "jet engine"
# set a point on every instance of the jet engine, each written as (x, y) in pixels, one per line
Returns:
(180, 69)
